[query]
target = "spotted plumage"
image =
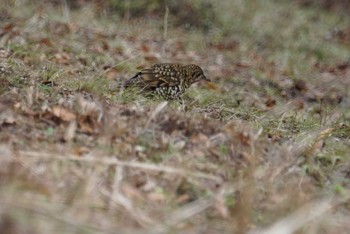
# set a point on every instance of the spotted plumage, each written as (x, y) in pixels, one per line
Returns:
(166, 79)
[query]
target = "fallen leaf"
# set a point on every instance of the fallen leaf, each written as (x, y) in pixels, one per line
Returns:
(111, 73)
(45, 41)
(183, 198)
(156, 197)
(131, 192)
(7, 27)
(145, 48)
(270, 102)
(301, 86)
(62, 58)
(244, 138)
(63, 113)
(4, 53)
(243, 65)
(81, 150)
(212, 86)
(105, 45)
(86, 125)
(299, 103)
(70, 131)
(221, 207)
(7, 117)
(151, 58)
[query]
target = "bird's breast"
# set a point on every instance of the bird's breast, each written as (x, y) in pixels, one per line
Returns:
(170, 92)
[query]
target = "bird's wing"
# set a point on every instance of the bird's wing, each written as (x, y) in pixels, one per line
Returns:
(156, 76)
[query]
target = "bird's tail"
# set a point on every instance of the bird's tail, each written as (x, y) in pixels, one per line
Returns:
(131, 82)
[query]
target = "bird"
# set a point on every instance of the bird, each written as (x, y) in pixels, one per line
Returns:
(168, 80)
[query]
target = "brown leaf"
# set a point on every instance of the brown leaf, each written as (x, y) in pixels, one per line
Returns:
(301, 86)
(243, 65)
(319, 141)
(342, 36)
(131, 192)
(7, 27)
(105, 45)
(244, 138)
(111, 73)
(97, 48)
(141, 66)
(226, 45)
(274, 137)
(82, 61)
(212, 86)
(43, 58)
(86, 125)
(62, 58)
(70, 131)
(7, 117)
(63, 113)
(145, 48)
(179, 45)
(156, 197)
(270, 102)
(81, 150)
(183, 198)
(4, 53)
(200, 138)
(45, 41)
(151, 58)
(299, 103)
(221, 207)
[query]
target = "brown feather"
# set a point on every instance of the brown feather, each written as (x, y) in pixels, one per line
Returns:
(167, 79)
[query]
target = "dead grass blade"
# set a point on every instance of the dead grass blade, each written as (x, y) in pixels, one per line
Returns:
(182, 214)
(302, 216)
(154, 114)
(46, 210)
(114, 161)
(194, 208)
(118, 198)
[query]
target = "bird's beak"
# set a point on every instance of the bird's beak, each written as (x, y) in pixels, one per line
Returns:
(205, 78)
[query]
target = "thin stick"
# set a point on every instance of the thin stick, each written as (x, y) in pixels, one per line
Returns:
(114, 161)
(158, 109)
(301, 216)
(127, 60)
(165, 32)
(182, 214)
(36, 208)
(193, 208)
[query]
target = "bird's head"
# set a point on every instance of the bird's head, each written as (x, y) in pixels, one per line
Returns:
(195, 74)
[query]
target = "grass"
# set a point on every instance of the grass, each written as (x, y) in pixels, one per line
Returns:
(257, 147)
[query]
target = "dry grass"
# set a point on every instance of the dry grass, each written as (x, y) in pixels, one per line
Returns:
(263, 149)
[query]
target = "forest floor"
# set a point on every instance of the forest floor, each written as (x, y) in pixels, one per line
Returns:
(263, 148)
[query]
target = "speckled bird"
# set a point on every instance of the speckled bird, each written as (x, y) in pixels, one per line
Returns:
(168, 80)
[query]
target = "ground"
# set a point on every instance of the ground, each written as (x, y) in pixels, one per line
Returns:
(263, 148)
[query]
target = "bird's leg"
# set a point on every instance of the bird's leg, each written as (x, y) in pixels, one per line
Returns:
(181, 100)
